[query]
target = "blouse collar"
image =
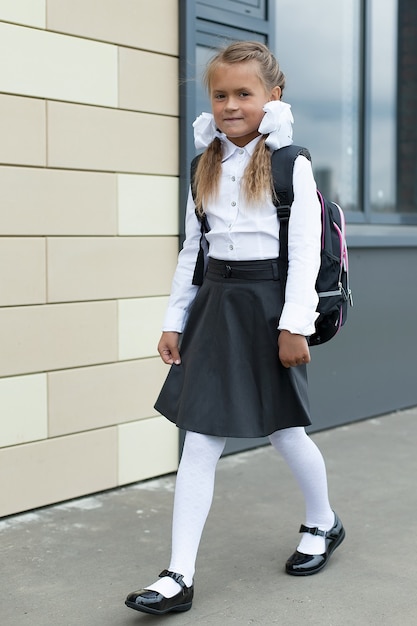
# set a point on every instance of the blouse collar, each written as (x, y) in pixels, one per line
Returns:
(229, 148)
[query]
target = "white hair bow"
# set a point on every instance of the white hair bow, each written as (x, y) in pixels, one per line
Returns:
(205, 131)
(276, 123)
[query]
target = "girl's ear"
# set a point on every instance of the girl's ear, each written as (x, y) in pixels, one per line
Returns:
(276, 93)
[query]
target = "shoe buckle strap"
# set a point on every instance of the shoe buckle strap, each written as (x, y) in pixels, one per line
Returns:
(313, 531)
(177, 577)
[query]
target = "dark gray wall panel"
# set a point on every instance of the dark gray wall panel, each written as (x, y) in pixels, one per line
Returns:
(370, 367)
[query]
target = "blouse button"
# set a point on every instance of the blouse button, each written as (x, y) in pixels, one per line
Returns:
(233, 178)
(241, 151)
(231, 247)
(233, 203)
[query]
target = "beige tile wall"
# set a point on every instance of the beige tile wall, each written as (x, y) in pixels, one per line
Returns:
(58, 67)
(29, 12)
(87, 137)
(41, 201)
(88, 243)
(22, 130)
(23, 409)
(102, 395)
(137, 341)
(22, 270)
(137, 24)
(58, 469)
(157, 214)
(99, 268)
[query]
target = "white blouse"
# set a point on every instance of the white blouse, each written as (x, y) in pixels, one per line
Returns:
(239, 232)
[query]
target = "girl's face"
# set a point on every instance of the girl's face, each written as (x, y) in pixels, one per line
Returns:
(237, 99)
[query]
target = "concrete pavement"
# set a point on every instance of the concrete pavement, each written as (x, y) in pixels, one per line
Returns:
(73, 564)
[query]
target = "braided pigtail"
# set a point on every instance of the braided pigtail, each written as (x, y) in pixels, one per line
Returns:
(257, 178)
(207, 175)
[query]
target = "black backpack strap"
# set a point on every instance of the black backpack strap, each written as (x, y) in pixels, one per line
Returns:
(193, 169)
(200, 265)
(282, 165)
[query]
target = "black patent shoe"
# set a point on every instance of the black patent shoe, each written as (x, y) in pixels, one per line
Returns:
(154, 602)
(300, 564)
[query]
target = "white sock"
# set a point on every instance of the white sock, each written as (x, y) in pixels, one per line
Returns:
(307, 464)
(193, 497)
(167, 586)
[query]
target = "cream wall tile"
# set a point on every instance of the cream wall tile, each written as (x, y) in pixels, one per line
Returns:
(97, 268)
(48, 337)
(22, 130)
(94, 397)
(148, 205)
(30, 12)
(22, 271)
(23, 409)
(147, 448)
(40, 201)
(148, 82)
(57, 469)
(140, 324)
(84, 137)
(48, 65)
(147, 25)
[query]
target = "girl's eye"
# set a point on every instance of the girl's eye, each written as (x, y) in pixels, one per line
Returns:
(219, 96)
(244, 94)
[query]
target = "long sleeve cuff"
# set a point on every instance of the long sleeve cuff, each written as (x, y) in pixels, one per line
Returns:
(174, 320)
(297, 319)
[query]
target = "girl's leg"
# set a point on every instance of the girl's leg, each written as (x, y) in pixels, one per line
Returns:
(307, 464)
(193, 497)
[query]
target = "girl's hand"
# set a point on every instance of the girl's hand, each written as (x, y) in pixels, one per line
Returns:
(168, 348)
(292, 349)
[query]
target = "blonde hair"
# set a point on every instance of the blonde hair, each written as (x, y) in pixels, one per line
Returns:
(257, 178)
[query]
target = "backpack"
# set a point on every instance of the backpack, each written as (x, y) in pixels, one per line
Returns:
(332, 284)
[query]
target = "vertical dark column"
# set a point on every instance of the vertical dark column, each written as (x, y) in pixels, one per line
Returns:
(187, 52)
(407, 107)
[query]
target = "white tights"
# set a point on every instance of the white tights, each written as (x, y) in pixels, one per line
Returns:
(194, 494)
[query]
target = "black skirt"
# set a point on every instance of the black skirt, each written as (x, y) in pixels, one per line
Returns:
(230, 382)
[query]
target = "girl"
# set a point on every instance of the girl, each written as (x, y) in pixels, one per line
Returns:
(241, 368)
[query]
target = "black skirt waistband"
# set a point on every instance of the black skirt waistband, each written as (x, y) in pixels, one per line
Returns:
(246, 270)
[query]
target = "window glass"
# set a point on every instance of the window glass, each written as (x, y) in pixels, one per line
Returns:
(203, 55)
(318, 47)
(382, 42)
